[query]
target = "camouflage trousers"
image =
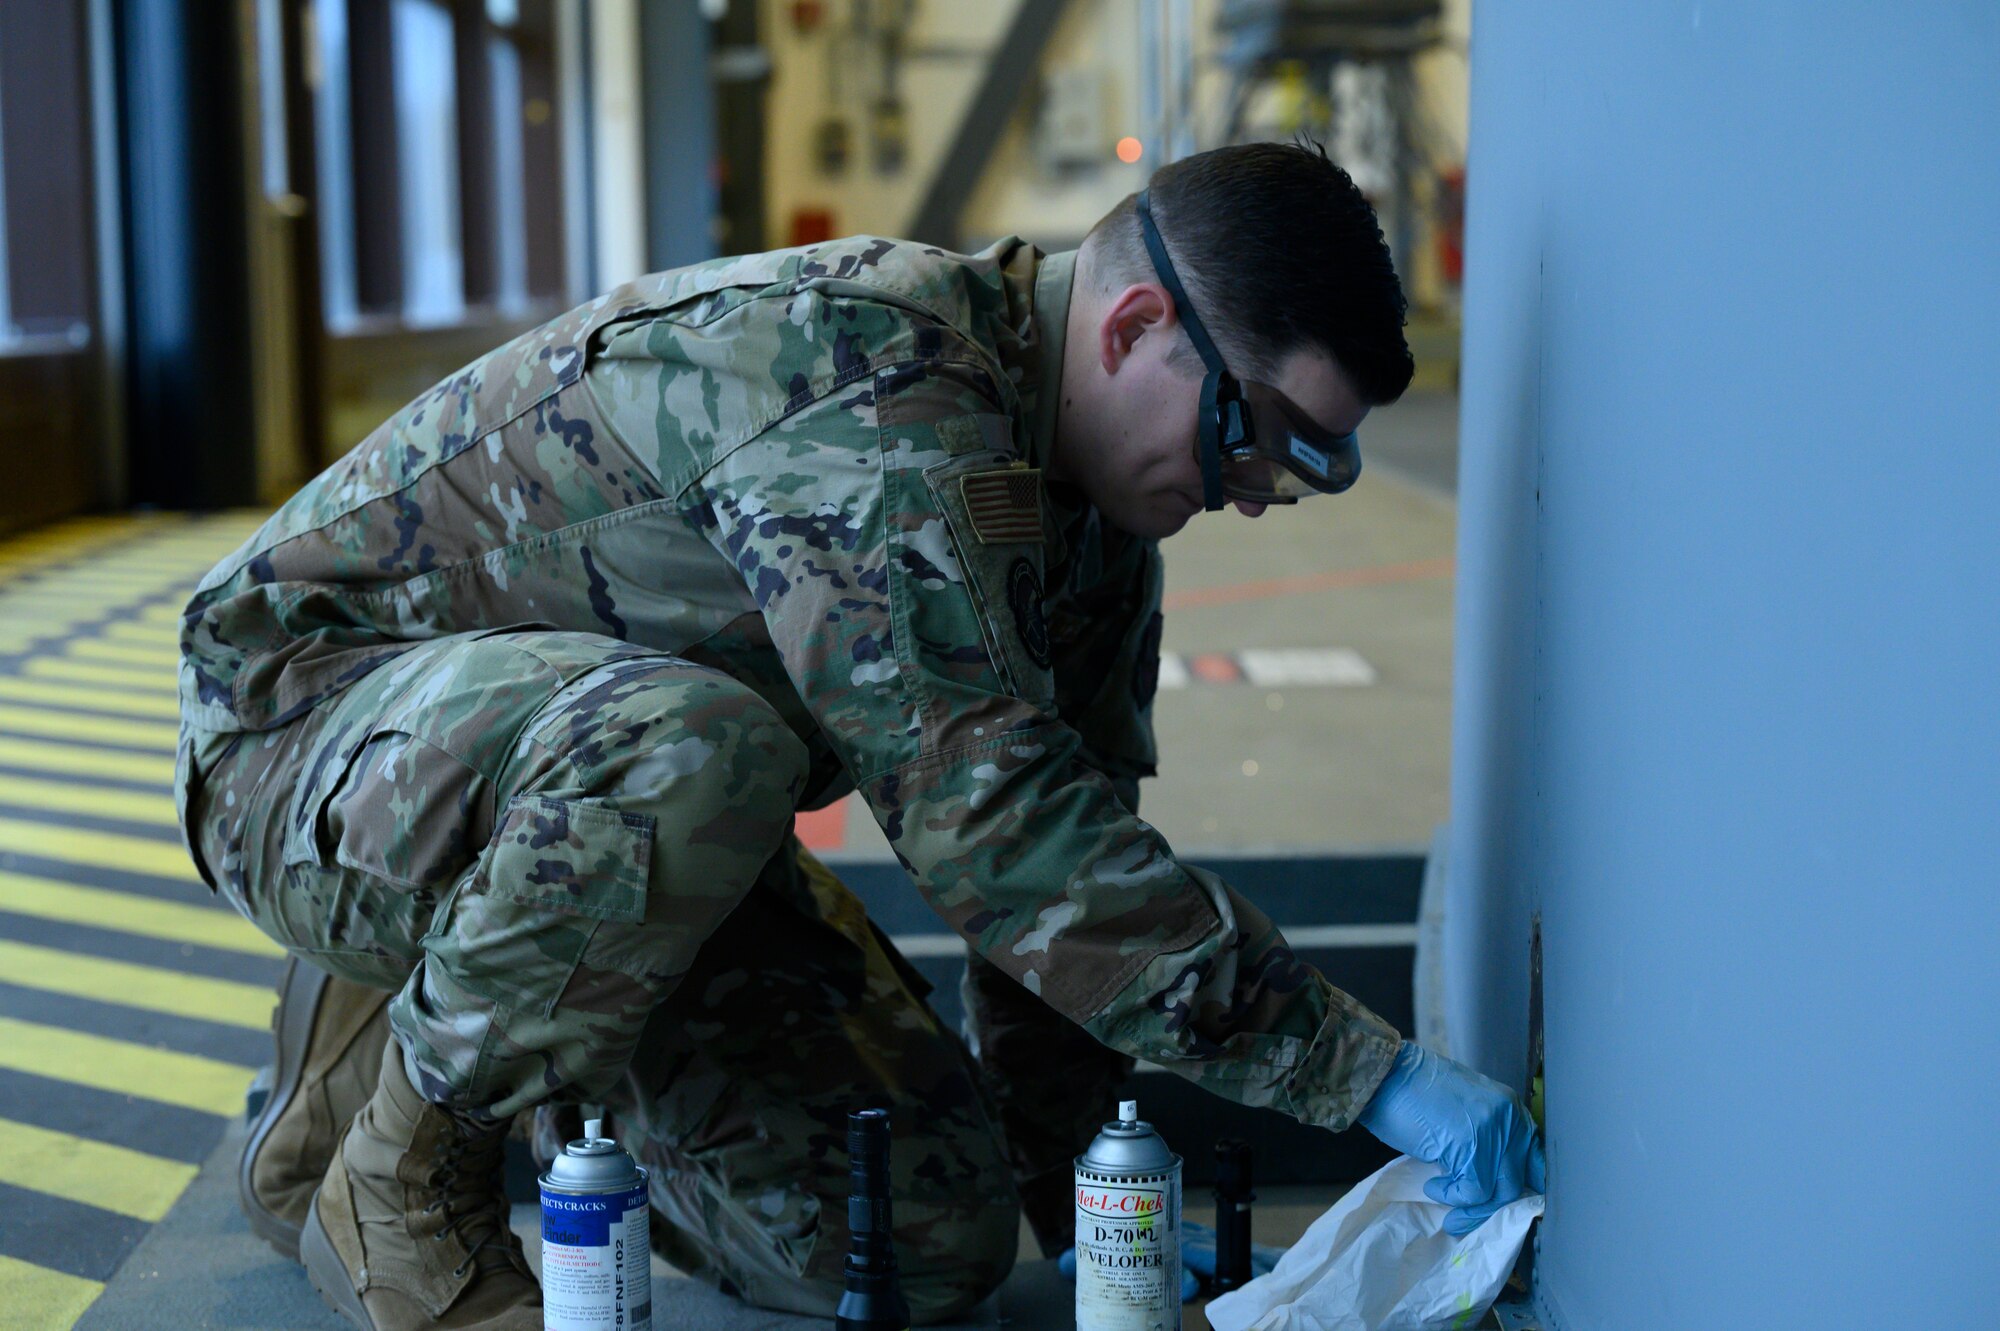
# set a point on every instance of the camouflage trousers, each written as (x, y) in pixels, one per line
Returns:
(572, 860)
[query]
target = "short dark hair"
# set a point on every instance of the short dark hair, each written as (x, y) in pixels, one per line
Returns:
(1278, 249)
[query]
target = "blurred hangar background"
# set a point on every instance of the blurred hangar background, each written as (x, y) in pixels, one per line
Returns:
(239, 235)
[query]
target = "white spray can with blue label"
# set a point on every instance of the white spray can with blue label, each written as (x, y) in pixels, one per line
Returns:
(596, 1258)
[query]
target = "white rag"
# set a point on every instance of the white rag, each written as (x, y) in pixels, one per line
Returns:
(1381, 1260)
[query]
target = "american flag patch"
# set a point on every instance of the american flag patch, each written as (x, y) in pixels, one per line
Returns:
(1005, 504)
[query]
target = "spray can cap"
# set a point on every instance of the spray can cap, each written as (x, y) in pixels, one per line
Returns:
(593, 1163)
(1128, 1145)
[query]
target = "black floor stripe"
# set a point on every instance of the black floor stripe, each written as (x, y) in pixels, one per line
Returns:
(64, 1235)
(160, 1030)
(170, 1131)
(89, 822)
(193, 959)
(188, 891)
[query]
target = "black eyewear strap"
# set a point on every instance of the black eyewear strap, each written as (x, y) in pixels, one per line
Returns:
(1228, 422)
(1220, 417)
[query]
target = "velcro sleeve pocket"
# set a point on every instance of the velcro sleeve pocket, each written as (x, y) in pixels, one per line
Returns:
(571, 857)
(1003, 570)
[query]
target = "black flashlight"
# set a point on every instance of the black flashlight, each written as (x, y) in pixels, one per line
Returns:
(1233, 1196)
(873, 1300)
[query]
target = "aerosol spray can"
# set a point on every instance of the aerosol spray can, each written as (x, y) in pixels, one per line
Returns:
(1128, 1229)
(596, 1261)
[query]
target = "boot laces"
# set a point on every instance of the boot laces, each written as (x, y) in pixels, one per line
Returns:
(463, 1161)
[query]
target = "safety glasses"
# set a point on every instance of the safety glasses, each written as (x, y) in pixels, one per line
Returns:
(1252, 442)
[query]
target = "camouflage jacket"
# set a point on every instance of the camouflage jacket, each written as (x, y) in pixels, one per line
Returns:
(819, 470)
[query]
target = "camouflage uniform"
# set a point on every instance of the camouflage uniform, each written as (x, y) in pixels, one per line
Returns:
(511, 707)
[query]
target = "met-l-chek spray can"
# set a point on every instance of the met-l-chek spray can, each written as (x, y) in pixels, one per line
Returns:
(596, 1261)
(1128, 1229)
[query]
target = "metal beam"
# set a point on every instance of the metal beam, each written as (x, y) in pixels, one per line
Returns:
(1012, 70)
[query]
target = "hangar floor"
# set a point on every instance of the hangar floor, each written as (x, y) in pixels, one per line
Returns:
(1305, 707)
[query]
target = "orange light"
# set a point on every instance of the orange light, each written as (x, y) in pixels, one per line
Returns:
(1129, 149)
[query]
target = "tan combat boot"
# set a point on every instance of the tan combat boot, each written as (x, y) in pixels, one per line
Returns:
(330, 1034)
(409, 1229)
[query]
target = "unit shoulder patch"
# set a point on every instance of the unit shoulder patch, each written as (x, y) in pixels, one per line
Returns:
(1005, 505)
(1024, 598)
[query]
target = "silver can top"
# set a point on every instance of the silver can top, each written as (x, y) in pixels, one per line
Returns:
(593, 1163)
(1129, 1146)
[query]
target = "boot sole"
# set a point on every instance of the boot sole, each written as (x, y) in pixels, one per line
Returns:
(326, 1272)
(299, 996)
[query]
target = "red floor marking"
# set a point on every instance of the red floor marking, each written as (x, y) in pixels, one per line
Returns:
(823, 829)
(1309, 582)
(1215, 668)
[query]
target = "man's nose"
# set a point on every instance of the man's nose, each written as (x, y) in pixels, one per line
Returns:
(1248, 509)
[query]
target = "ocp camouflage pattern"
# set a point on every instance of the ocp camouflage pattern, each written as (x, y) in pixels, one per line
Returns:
(753, 464)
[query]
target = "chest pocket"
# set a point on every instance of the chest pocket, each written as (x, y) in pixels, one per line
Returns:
(996, 511)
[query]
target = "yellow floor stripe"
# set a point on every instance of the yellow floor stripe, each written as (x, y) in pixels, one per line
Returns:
(55, 667)
(102, 850)
(56, 541)
(153, 634)
(76, 760)
(153, 705)
(97, 801)
(137, 570)
(50, 724)
(145, 568)
(31, 642)
(40, 621)
(101, 575)
(82, 522)
(112, 1178)
(128, 653)
(121, 593)
(35, 602)
(132, 566)
(95, 598)
(128, 913)
(45, 594)
(26, 620)
(13, 643)
(189, 547)
(188, 1080)
(20, 637)
(57, 972)
(18, 626)
(161, 614)
(34, 1298)
(131, 806)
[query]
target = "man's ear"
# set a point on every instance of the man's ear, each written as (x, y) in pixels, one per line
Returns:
(1140, 309)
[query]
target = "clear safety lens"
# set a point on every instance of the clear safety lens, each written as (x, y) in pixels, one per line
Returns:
(1253, 477)
(1287, 454)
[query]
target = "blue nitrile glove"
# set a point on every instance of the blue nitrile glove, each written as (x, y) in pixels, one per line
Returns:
(1190, 1284)
(1473, 1127)
(1198, 1252)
